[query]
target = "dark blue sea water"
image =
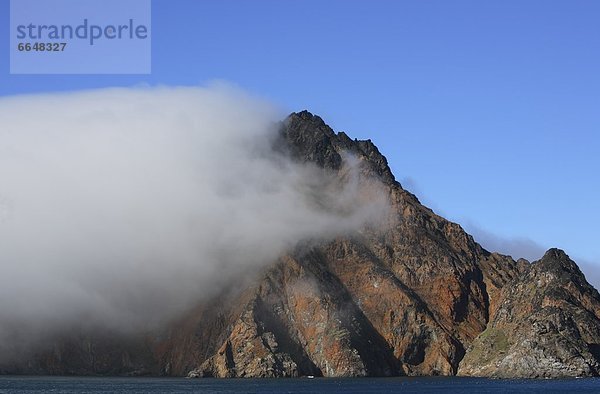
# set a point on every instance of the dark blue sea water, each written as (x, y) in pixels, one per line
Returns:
(19, 384)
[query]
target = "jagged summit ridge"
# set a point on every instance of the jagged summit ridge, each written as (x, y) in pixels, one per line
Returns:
(309, 138)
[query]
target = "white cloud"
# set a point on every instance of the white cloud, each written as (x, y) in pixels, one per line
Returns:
(121, 207)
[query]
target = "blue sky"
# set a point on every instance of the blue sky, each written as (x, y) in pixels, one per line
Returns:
(488, 111)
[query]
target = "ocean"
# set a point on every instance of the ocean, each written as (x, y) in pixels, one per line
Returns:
(93, 385)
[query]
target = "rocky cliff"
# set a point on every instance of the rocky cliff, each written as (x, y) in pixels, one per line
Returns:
(414, 296)
(547, 325)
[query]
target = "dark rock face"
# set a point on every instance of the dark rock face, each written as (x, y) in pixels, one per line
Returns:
(307, 138)
(417, 296)
(547, 325)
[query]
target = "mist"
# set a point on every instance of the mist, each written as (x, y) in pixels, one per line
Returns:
(120, 208)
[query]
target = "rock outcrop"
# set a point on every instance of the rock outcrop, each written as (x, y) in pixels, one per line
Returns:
(416, 296)
(547, 325)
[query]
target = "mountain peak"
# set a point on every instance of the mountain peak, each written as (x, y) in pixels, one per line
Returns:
(308, 138)
(307, 119)
(306, 115)
(556, 254)
(557, 261)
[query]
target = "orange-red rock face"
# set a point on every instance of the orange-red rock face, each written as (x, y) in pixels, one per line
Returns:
(407, 297)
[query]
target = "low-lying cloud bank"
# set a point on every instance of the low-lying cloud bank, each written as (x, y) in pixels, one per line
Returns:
(121, 207)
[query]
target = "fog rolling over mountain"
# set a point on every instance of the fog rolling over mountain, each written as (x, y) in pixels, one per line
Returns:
(197, 236)
(123, 207)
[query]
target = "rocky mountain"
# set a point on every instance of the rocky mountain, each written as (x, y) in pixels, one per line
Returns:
(546, 326)
(415, 296)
